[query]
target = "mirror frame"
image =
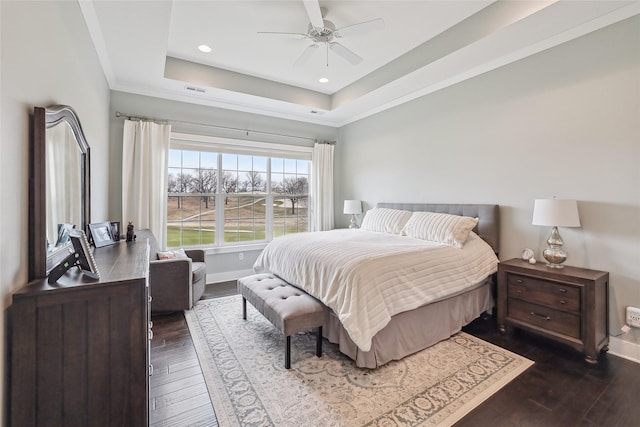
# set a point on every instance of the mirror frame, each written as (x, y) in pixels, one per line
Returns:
(40, 260)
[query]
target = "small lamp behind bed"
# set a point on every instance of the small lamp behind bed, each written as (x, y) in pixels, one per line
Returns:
(353, 208)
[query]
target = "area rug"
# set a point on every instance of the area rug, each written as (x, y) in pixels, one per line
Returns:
(243, 365)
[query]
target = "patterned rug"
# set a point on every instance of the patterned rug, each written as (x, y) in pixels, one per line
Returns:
(243, 365)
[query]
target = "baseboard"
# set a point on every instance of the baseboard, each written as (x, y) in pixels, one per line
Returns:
(625, 349)
(228, 275)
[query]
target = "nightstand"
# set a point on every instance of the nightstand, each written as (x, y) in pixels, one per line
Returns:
(568, 305)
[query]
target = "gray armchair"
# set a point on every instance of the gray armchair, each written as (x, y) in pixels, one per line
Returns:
(176, 284)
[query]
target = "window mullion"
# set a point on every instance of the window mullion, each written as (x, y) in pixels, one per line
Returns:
(219, 204)
(269, 202)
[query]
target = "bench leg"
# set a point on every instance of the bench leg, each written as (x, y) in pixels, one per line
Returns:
(287, 353)
(244, 308)
(319, 342)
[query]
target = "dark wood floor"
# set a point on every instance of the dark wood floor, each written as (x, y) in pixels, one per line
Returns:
(178, 394)
(560, 389)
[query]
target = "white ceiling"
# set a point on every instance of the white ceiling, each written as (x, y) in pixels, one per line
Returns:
(150, 48)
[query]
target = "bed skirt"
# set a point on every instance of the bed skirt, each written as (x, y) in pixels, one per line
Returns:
(414, 330)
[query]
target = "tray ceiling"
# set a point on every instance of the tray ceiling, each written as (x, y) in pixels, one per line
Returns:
(150, 48)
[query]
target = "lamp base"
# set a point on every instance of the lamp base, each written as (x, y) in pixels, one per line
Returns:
(554, 254)
(555, 257)
(353, 224)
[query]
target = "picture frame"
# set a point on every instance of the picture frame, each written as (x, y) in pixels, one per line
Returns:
(85, 260)
(115, 230)
(101, 234)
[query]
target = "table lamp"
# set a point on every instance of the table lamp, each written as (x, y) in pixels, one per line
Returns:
(353, 208)
(555, 213)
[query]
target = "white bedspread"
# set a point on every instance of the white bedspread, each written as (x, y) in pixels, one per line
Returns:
(367, 277)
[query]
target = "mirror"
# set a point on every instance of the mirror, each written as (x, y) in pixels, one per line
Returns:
(59, 183)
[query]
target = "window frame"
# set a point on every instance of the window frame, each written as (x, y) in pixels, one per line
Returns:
(220, 145)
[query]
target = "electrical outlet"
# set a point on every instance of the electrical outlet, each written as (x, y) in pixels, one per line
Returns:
(241, 256)
(633, 317)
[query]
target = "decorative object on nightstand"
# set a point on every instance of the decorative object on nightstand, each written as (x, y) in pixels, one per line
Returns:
(527, 254)
(555, 213)
(353, 208)
(570, 305)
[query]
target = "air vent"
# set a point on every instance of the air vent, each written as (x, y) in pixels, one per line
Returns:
(196, 89)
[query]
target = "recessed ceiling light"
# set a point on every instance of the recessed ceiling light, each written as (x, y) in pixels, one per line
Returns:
(204, 48)
(324, 80)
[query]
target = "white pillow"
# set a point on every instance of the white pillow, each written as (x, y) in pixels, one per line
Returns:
(385, 220)
(451, 230)
(178, 253)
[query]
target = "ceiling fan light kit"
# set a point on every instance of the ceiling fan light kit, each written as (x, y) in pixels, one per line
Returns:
(321, 31)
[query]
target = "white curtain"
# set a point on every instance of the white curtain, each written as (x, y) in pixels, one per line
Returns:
(145, 152)
(322, 190)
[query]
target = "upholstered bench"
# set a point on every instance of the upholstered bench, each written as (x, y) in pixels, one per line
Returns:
(288, 308)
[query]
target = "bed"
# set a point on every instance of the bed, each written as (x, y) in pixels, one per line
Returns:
(391, 295)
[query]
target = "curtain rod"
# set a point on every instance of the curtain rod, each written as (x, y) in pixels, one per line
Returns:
(246, 131)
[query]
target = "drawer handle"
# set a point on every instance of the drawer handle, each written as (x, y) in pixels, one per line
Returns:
(519, 291)
(519, 281)
(563, 302)
(562, 290)
(541, 316)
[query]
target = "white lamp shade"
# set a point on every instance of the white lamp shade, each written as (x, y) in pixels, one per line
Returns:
(556, 213)
(352, 207)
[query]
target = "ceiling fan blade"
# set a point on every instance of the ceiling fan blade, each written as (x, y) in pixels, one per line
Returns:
(360, 28)
(283, 34)
(306, 54)
(346, 53)
(313, 10)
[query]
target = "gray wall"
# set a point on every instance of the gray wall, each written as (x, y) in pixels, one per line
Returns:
(221, 266)
(565, 123)
(47, 58)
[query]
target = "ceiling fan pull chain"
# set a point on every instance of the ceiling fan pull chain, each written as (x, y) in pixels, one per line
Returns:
(327, 50)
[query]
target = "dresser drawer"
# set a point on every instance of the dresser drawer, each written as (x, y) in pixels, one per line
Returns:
(551, 294)
(544, 317)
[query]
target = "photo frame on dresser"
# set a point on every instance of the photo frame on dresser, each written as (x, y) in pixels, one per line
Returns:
(101, 234)
(115, 230)
(85, 260)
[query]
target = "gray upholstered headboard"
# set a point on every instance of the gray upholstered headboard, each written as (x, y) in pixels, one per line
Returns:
(488, 227)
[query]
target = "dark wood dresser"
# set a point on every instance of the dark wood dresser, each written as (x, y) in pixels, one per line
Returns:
(80, 348)
(569, 305)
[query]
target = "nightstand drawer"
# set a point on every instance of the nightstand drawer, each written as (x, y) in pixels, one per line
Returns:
(551, 294)
(544, 317)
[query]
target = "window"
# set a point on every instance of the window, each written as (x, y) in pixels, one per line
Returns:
(221, 193)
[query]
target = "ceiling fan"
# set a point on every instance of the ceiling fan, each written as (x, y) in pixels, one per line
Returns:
(322, 31)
